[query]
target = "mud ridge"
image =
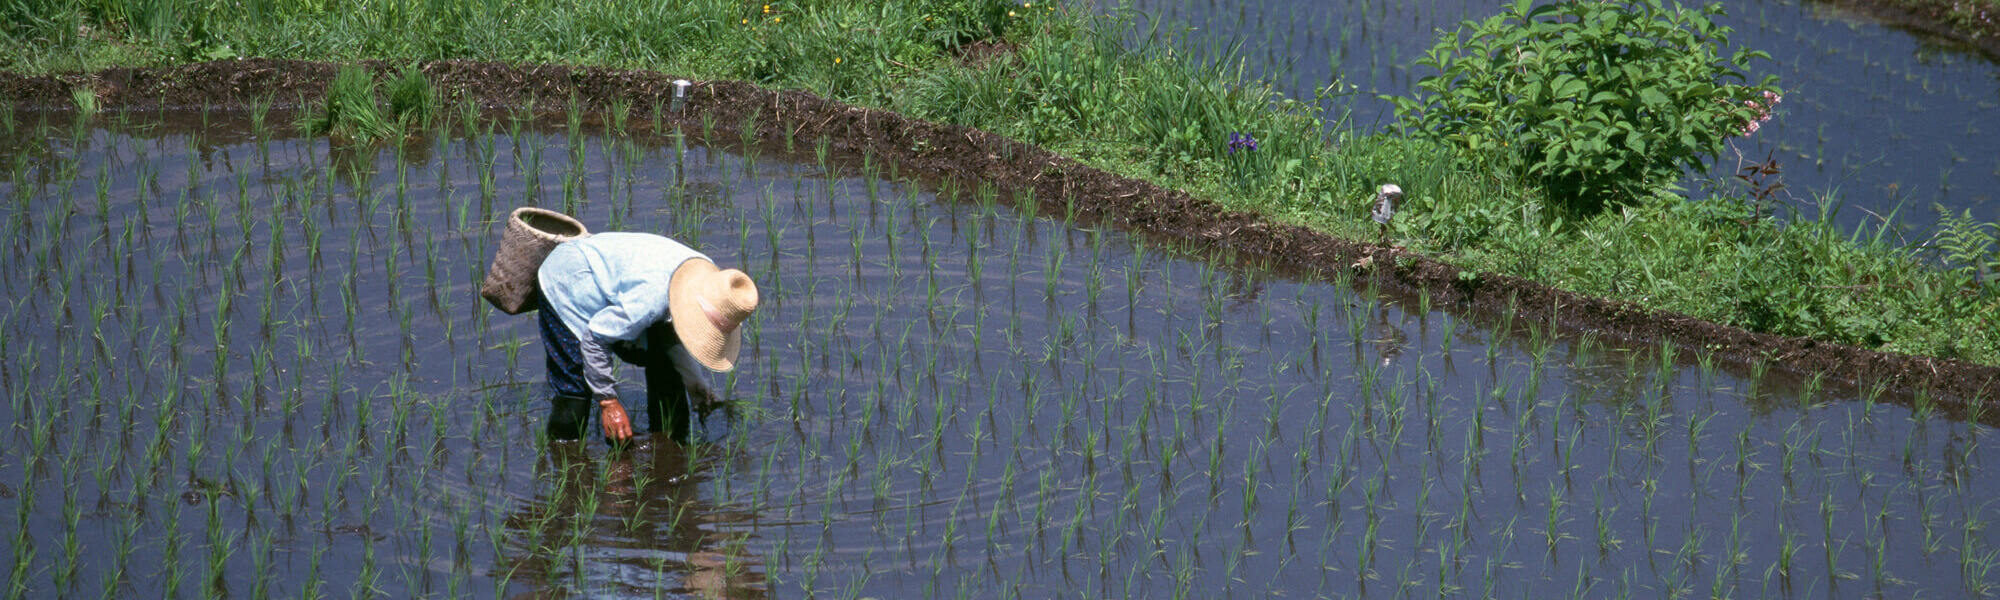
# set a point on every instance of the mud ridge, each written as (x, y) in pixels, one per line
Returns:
(1932, 19)
(951, 151)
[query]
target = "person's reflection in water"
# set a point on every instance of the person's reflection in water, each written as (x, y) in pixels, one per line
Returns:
(630, 524)
(1388, 338)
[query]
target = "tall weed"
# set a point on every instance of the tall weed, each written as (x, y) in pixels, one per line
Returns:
(1969, 247)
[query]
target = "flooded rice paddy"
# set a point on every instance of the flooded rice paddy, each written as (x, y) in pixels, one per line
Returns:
(243, 365)
(1885, 122)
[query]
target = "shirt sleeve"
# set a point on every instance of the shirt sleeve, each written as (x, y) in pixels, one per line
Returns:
(597, 367)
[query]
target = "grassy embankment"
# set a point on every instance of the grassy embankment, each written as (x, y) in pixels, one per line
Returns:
(1977, 21)
(1139, 101)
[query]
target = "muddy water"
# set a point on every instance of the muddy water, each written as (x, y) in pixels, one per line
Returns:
(258, 367)
(1880, 120)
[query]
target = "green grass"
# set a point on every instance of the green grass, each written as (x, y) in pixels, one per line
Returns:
(1135, 98)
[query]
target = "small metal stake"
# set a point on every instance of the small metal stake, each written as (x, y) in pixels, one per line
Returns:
(680, 93)
(1385, 206)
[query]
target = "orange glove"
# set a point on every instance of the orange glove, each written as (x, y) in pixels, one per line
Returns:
(616, 426)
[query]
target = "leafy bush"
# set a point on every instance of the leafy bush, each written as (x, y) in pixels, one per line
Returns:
(1601, 103)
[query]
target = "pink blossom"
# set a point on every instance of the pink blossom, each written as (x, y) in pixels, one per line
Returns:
(1763, 112)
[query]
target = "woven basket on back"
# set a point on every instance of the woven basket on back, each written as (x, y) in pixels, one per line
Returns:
(531, 233)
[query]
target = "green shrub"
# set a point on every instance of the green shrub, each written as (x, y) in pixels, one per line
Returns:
(1600, 103)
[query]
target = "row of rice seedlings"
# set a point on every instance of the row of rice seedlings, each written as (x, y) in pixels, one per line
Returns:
(941, 419)
(234, 284)
(1653, 410)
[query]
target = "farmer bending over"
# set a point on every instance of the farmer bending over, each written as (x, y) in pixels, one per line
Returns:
(652, 301)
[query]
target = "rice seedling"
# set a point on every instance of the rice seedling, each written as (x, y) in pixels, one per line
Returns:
(348, 112)
(85, 100)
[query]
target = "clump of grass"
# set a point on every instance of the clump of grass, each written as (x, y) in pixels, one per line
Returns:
(349, 112)
(85, 100)
(413, 102)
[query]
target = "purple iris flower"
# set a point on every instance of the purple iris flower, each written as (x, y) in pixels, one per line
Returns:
(1241, 141)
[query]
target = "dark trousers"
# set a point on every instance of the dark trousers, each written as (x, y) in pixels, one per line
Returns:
(666, 394)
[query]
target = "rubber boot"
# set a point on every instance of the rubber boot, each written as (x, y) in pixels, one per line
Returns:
(568, 417)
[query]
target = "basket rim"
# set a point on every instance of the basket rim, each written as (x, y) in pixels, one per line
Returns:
(515, 222)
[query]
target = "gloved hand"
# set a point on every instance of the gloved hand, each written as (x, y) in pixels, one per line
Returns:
(701, 395)
(702, 398)
(617, 427)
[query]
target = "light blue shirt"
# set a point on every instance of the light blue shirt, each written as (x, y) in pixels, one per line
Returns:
(611, 287)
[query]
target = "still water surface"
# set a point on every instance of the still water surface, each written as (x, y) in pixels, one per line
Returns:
(258, 367)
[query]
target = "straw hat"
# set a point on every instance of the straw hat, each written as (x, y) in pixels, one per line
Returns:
(707, 305)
